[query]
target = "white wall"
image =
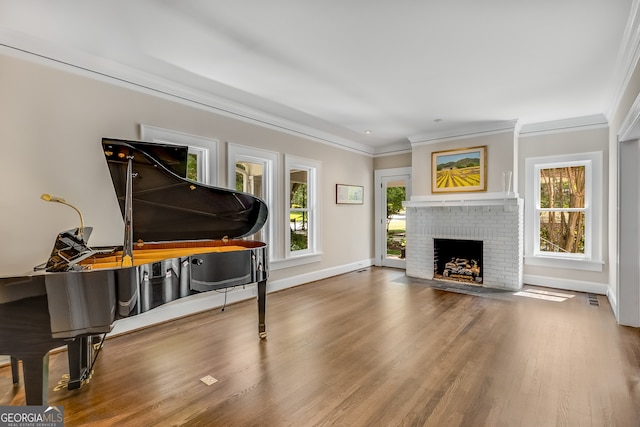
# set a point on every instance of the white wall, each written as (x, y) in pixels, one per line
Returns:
(500, 157)
(622, 294)
(52, 120)
(559, 143)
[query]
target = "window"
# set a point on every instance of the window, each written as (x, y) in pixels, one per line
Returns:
(252, 170)
(563, 219)
(302, 210)
(299, 209)
(561, 209)
(202, 151)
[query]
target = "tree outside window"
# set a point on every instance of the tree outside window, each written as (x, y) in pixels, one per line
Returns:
(298, 209)
(562, 209)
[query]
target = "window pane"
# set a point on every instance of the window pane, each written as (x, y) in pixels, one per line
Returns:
(240, 182)
(192, 166)
(249, 178)
(299, 235)
(562, 187)
(298, 181)
(562, 232)
(298, 214)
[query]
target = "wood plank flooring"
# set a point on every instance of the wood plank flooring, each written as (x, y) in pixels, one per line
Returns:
(368, 348)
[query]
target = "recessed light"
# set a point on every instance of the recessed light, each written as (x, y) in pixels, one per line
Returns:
(367, 132)
(437, 120)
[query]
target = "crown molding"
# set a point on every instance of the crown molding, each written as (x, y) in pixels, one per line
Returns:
(595, 121)
(463, 132)
(27, 47)
(628, 57)
(393, 149)
(630, 126)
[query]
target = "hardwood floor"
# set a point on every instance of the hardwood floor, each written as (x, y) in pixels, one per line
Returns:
(368, 348)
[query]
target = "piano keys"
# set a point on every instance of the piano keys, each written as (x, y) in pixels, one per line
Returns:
(180, 238)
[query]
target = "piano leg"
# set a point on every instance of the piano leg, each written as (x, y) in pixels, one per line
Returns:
(15, 370)
(262, 303)
(79, 355)
(35, 368)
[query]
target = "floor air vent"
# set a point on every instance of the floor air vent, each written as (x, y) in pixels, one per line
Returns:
(593, 299)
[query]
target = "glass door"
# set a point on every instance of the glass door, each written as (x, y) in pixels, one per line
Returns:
(393, 189)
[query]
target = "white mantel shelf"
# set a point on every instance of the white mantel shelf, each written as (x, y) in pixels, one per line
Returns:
(466, 199)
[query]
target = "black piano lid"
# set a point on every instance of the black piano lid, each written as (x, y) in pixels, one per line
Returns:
(169, 207)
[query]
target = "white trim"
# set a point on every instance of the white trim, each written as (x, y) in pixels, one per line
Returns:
(393, 150)
(613, 302)
(463, 132)
(566, 284)
(302, 279)
(627, 288)
(628, 57)
(295, 261)
(597, 121)
(23, 46)
(380, 212)
(464, 199)
(592, 259)
(569, 263)
(205, 148)
(270, 194)
(630, 127)
(586, 209)
(314, 206)
(192, 304)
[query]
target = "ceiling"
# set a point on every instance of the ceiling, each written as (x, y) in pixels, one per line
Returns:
(371, 75)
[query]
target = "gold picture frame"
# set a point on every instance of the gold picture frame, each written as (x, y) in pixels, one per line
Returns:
(460, 170)
(349, 194)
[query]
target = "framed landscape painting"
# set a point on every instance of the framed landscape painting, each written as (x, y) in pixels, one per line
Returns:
(459, 170)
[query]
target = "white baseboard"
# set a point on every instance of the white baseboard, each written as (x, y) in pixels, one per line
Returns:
(215, 300)
(183, 307)
(289, 282)
(566, 284)
(613, 302)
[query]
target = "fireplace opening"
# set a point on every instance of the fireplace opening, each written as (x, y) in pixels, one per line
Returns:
(458, 260)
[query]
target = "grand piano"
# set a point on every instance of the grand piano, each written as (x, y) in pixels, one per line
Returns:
(180, 238)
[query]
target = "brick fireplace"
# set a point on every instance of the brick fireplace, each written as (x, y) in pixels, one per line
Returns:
(491, 218)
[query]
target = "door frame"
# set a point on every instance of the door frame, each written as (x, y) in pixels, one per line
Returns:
(381, 211)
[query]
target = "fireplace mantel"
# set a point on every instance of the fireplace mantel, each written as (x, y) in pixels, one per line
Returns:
(466, 199)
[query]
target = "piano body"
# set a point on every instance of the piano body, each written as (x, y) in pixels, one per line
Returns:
(181, 238)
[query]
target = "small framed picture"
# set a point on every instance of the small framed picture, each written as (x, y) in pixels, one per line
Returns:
(349, 194)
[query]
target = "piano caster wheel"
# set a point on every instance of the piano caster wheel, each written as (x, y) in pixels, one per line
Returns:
(66, 383)
(262, 335)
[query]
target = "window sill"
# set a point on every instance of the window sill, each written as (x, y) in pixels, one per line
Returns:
(295, 261)
(572, 264)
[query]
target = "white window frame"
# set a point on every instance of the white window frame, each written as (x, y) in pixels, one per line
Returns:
(205, 149)
(270, 165)
(313, 252)
(591, 260)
